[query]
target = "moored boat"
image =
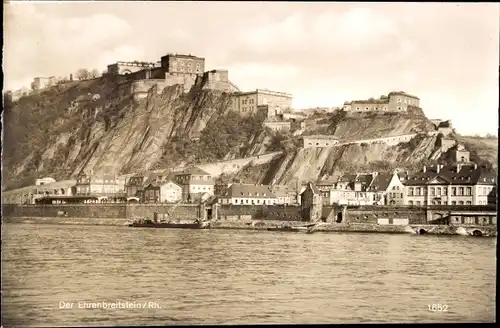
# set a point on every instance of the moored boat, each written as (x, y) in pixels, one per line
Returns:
(148, 223)
(289, 229)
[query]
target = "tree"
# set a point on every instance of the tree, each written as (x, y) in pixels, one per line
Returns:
(83, 74)
(94, 73)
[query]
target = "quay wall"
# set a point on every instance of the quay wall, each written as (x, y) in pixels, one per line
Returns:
(271, 212)
(111, 211)
(100, 211)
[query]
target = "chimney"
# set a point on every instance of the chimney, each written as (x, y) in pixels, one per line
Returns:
(71, 77)
(438, 168)
(459, 167)
(425, 169)
(475, 166)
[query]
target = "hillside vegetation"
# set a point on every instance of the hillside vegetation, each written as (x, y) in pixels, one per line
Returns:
(46, 138)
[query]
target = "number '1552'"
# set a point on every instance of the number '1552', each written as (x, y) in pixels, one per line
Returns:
(438, 307)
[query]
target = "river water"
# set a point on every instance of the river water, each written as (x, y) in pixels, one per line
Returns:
(171, 276)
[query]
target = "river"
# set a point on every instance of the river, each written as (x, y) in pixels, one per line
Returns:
(171, 276)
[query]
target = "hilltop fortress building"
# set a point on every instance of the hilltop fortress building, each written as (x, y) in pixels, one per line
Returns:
(189, 70)
(396, 101)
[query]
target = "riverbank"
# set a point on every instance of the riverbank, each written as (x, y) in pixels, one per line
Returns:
(264, 225)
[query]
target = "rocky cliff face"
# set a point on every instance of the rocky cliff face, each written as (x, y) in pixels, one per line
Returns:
(48, 134)
(90, 126)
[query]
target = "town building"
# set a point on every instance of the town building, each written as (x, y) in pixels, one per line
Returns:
(271, 102)
(248, 194)
(316, 141)
(43, 181)
(125, 68)
(277, 125)
(286, 194)
(43, 82)
(396, 101)
(349, 189)
(195, 183)
(461, 155)
(388, 188)
(106, 185)
(160, 191)
(134, 186)
(311, 203)
(459, 184)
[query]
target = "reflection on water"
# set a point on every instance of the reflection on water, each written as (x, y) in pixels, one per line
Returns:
(237, 277)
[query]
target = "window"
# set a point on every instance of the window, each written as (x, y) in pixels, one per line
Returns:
(438, 190)
(453, 203)
(468, 191)
(460, 191)
(399, 100)
(410, 192)
(418, 202)
(410, 203)
(460, 203)
(453, 191)
(417, 191)
(468, 203)
(236, 201)
(433, 192)
(399, 108)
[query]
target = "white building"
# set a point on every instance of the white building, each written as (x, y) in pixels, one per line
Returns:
(248, 194)
(42, 181)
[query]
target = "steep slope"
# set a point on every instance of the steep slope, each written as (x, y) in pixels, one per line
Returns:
(119, 135)
(349, 126)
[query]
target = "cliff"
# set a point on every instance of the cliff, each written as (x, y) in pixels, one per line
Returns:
(67, 129)
(98, 126)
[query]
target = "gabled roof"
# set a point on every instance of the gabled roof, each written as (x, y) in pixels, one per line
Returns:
(159, 183)
(463, 174)
(381, 182)
(239, 190)
(347, 178)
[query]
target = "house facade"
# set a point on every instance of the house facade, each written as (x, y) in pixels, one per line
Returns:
(162, 192)
(311, 203)
(396, 101)
(286, 194)
(106, 185)
(195, 182)
(248, 194)
(388, 189)
(459, 184)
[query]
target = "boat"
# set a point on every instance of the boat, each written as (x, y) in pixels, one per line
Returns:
(289, 229)
(148, 223)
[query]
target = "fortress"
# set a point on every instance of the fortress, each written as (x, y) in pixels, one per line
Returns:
(189, 70)
(396, 101)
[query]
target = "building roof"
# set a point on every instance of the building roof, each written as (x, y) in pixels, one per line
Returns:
(444, 124)
(381, 182)
(347, 178)
(159, 183)
(462, 174)
(239, 190)
(364, 178)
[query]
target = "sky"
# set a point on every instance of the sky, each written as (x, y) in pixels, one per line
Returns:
(323, 53)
